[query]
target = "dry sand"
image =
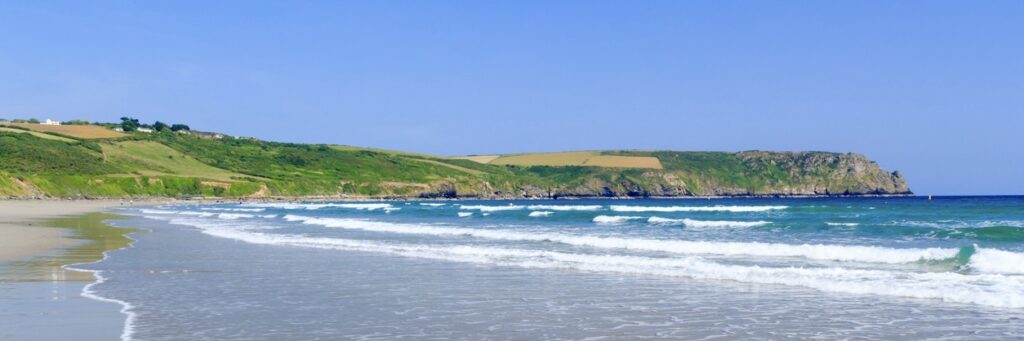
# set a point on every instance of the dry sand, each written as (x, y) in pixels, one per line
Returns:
(22, 237)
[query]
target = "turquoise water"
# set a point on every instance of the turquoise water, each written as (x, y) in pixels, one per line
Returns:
(763, 268)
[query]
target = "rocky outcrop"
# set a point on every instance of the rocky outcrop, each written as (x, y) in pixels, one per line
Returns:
(753, 173)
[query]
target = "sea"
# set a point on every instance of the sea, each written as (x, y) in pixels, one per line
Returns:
(949, 268)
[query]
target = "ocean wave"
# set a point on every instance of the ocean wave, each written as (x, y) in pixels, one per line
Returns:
(234, 216)
(431, 204)
(982, 289)
(461, 214)
(997, 261)
(486, 208)
(844, 253)
(233, 209)
(540, 213)
(606, 219)
(706, 223)
(307, 206)
(957, 224)
(219, 215)
(624, 208)
(152, 211)
(993, 233)
(565, 207)
(829, 223)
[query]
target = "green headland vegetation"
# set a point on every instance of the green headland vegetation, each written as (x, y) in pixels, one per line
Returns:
(133, 159)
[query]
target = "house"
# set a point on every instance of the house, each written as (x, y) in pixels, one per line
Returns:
(144, 130)
(206, 135)
(118, 129)
(50, 122)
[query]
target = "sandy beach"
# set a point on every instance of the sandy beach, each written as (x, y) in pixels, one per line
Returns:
(22, 237)
(37, 238)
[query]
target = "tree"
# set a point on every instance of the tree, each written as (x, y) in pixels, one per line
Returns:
(160, 126)
(32, 120)
(177, 127)
(129, 124)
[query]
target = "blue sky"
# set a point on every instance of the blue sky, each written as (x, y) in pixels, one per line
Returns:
(934, 89)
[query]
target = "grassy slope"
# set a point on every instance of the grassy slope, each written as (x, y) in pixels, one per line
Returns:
(172, 164)
(155, 159)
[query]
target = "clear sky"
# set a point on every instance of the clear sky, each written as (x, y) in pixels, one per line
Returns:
(934, 89)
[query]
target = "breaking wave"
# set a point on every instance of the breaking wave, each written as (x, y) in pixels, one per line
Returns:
(984, 289)
(605, 219)
(566, 207)
(705, 223)
(624, 208)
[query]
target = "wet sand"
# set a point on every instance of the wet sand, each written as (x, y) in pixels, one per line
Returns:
(22, 234)
(39, 298)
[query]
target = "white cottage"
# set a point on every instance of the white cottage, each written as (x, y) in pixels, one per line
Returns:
(50, 122)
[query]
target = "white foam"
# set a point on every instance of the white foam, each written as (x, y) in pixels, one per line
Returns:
(829, 223)
(87, 291)
(432, 204)
(706, 223)
(486, 208)
(605, 219)
(197, 214)
(623, 208)
(983, 289)
(461, 214)
(232, 209)
(540, 213)
(997, 261)
(565, 207)
(957, 224)
(233, 216)
(848, 253)
(306, 206)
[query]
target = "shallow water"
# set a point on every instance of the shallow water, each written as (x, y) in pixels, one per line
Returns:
(881, 268)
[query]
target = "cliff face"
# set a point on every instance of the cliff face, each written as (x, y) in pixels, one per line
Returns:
(727, 174)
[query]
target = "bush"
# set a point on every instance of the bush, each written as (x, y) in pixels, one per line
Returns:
(129, 124)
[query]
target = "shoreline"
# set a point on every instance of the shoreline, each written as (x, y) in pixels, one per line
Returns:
(43, 244)
(26, 232)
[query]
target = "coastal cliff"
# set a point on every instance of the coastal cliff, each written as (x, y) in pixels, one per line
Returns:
(704, 174)
(44, 164)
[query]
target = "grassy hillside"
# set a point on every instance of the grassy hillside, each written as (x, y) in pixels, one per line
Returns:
(178, 164)
(155, 159)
